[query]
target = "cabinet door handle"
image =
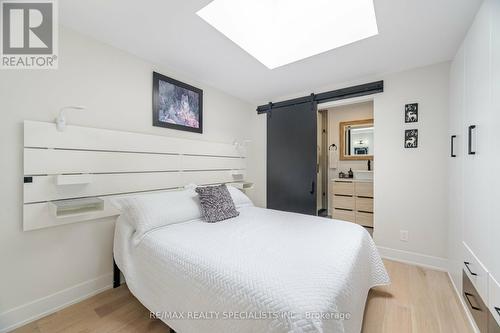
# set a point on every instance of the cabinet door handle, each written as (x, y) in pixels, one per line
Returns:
(471, 128)
(312, 187)
(452, 154)
(466, 263)
(467, 295)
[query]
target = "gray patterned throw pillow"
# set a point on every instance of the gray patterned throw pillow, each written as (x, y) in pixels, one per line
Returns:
(216, 203)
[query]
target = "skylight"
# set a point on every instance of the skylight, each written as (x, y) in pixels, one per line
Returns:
(279, 32)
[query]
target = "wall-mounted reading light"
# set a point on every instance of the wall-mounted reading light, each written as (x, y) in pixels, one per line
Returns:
(61, 118)
(239, 175)
(238, 144)
(241, 146)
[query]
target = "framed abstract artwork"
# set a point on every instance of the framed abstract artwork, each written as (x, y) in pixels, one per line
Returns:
(177, 105)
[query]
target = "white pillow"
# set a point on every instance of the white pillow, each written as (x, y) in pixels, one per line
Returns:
(240, 199)
(149, 211)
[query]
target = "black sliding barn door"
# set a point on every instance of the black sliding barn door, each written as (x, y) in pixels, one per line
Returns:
(291, 158)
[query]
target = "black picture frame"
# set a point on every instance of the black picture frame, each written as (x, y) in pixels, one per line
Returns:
(411, 138)
(411, 113)
(191, 94)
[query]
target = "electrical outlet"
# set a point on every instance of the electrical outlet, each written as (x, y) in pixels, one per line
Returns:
(403, 235)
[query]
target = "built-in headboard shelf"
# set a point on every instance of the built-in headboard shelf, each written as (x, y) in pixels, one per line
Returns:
(83, 162)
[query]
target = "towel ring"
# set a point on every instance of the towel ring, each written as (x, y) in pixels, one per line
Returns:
(332, 145)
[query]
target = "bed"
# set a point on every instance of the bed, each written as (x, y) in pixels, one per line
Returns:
(262, 271)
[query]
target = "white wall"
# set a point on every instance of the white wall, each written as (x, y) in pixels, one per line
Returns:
(52, 266)
(411, 184)
(256, 164)
(336, 115)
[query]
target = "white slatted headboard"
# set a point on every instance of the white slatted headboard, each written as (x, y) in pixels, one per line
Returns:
(102, 163)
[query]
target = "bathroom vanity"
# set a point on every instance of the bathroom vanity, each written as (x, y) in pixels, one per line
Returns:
(352, 200)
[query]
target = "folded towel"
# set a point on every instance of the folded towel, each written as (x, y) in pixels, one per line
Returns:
(333, 159)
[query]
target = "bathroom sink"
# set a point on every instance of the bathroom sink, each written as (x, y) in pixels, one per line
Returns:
(363, 174)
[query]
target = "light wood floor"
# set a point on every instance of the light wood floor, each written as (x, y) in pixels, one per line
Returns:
(418, 300)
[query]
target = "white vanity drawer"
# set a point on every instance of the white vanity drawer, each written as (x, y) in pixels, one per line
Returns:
(476, 272)
(343, 202)
(344, 215)
(494, 298)
(364, 189)
(364, 205)
(364, 219)
(343, 187)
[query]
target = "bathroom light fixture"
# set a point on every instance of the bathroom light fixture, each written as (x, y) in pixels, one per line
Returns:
(61, 118)
(362, 129)
(280, 32)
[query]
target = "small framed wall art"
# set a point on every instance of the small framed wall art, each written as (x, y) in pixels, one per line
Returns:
(411, 138)
(411, 113)
(177, 105)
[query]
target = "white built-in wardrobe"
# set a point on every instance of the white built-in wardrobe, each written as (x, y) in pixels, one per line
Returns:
(474, 166)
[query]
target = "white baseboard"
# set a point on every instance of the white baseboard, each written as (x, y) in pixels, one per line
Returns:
(21, 315)
(464, 306)
(413, 258)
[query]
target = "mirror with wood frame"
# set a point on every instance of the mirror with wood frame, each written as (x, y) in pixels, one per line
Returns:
(356, 140)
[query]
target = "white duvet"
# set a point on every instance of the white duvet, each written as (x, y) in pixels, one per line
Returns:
(263, 271)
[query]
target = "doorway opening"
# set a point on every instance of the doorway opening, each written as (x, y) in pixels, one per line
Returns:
(322, 163)
(345, 160)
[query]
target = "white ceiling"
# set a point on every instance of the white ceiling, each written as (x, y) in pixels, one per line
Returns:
(412, 33)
